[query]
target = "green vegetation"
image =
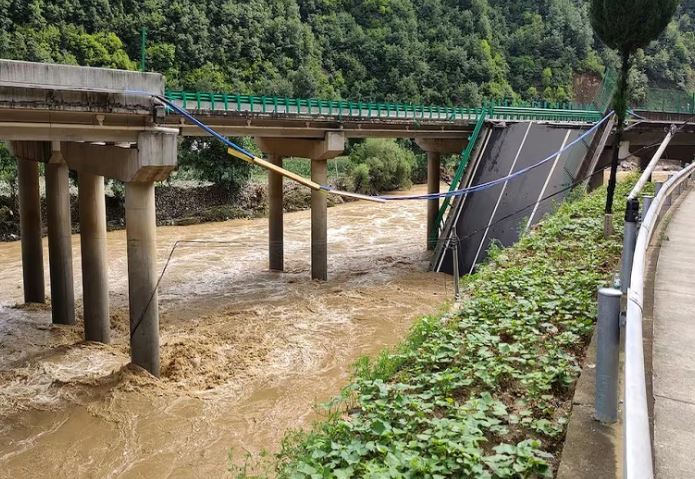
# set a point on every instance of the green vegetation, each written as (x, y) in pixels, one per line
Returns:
(207, 159)
(380, 165)
(626, 26)
(486, 390)
(8, 171)
(337, 169)
(421, 51)
(373, 166)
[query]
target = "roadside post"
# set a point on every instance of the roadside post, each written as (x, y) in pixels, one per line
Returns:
(608, 339)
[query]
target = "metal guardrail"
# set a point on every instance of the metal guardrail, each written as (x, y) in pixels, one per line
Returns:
(501, 110)
(667, 101)
(637, 460)
(458, 175)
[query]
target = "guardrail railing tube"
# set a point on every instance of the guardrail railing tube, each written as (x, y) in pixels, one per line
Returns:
(637, 445)
(657, 187)
(607, 351)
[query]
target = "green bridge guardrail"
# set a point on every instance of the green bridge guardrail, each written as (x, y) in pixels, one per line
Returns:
(504, 109)
(458, 176)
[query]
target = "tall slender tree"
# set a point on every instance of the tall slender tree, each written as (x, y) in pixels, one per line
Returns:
(626, 26)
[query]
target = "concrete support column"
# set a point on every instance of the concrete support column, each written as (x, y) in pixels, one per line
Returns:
(60, 241)
(275, 214)
(319, 222)
(433, 181)
(142, 279)
(30, 231)
(435, 148)
(95, 297)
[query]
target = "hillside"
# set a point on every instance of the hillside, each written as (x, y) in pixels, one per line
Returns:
(429, 51)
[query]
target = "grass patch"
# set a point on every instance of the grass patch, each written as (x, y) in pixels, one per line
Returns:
(482, 392)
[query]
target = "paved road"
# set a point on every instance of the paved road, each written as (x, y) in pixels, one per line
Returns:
(674, 346)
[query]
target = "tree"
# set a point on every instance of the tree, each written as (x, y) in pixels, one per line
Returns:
(625, 26)
(209, 160)
(380, 165)
(8, 171)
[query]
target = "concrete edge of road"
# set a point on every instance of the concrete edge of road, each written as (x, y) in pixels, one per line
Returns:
(593, 449)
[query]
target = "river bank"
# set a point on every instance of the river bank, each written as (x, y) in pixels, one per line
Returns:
(486, 390)
(246, 353)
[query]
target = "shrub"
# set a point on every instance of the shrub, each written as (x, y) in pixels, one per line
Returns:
(419, 173)
(8, 171)
(380, 165)
(208, 161)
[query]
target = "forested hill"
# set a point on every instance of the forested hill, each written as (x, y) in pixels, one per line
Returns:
(429, 51)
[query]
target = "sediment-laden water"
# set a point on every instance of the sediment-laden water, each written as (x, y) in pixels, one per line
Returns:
(246, 353)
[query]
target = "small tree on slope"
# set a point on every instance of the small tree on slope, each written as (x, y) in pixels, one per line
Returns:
(627, 25)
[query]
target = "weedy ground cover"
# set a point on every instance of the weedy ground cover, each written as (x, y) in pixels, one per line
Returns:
(484, 392)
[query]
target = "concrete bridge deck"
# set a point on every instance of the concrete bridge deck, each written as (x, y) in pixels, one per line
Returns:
(673, 354)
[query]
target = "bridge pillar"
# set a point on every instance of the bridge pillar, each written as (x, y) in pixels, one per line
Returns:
(435, 148)
(275, 217)
(28, 155)
(319, 222)
(142, 277)
(319, 151)
(95, 296)
(433, 180)
(60, 239)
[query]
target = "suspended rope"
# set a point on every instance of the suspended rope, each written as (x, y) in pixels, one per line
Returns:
(243, 154)
(504, 179)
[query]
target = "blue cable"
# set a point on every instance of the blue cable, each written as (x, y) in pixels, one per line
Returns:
(203, 126)
(447, 194)
(490, 184)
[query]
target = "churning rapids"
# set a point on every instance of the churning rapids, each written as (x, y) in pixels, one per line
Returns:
(246, 353)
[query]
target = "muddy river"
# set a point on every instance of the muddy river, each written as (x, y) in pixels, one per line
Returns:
(246, 353)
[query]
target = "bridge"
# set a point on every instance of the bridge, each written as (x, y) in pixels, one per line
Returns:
(112, 124)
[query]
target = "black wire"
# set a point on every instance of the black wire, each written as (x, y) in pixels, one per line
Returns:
(134, 329)
(521, 210)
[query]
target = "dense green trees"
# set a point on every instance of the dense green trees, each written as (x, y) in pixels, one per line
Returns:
(432, 51)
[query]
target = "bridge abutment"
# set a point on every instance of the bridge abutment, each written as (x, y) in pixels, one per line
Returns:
(60, 240)
(28, 155)
(95, 289)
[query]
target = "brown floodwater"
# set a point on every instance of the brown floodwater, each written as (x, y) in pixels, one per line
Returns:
(246, 353)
